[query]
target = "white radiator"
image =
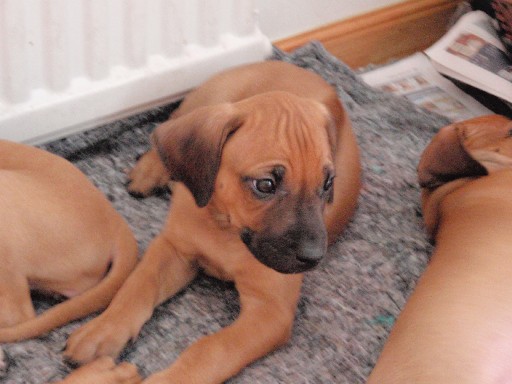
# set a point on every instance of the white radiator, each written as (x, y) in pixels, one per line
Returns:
(70, 65)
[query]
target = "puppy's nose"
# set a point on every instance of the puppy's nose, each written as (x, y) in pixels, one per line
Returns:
(311, 252)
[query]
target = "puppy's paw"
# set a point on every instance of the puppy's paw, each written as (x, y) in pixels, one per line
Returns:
(104, 370)
(100, 337)
(148, 176)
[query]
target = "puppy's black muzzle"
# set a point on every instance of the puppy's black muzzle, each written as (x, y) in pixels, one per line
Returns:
(297, 250)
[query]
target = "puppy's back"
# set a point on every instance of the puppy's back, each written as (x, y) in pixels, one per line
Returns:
(249, 80)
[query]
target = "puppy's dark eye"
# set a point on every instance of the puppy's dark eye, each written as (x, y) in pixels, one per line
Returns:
(265, 186)
(328, 183)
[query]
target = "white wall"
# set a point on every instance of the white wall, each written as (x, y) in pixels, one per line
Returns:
(284, 18)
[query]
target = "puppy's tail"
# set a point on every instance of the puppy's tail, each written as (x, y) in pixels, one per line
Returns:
(97, 298)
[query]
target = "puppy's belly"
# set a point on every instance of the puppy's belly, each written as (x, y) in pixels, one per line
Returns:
(66, 287)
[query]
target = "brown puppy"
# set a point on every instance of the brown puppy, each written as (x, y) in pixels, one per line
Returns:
(59, 234)
(457, 325)
(268, 174)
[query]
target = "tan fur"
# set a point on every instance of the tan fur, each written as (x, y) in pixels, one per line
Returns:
(456, 326)
(252, 122)
(103, 371)
(59, 235)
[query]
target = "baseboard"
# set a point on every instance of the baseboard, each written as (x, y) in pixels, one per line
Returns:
(375, 37)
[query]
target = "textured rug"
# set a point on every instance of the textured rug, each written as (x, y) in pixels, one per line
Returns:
(348, 304)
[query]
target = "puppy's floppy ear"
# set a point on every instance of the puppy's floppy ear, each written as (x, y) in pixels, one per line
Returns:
(445, 159)
(473, 147)
(191, 147)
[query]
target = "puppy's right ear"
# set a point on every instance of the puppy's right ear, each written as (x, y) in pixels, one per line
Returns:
(191, 146)
(446, 159)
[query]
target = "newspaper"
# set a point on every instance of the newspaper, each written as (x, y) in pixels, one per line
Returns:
(472, 52)
(416, 79)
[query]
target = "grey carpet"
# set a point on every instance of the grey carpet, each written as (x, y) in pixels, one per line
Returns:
(348, 304)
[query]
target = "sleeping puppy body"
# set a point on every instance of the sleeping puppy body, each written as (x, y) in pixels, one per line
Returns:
(456, 326)
(58, 235)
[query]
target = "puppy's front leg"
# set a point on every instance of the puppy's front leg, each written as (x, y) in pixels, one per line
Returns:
(265, 323)
(161, 273)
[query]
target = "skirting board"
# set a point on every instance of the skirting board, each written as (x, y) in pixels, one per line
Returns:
(375, 37)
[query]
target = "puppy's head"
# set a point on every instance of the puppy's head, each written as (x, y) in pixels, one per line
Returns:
(460, 152)
(265, 167)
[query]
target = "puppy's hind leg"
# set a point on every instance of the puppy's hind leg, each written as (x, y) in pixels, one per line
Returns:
(15, 301)
(148, 175)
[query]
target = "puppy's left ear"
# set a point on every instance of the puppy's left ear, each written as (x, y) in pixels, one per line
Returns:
(470, 148)
(190, 146)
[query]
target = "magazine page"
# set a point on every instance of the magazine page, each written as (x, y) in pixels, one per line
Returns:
(416, 79)
(472, 52)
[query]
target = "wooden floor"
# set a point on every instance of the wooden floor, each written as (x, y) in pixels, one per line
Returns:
(378, 36)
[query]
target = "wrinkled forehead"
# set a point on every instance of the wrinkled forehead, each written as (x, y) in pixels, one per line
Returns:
(281, 131)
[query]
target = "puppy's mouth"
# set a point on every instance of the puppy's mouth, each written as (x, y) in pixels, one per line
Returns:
(286, 254)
